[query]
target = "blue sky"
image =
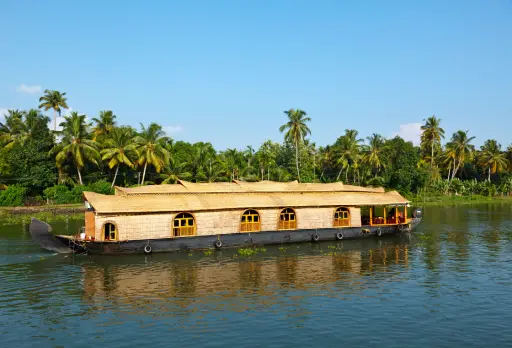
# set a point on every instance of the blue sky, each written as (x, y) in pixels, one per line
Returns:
(224, 71)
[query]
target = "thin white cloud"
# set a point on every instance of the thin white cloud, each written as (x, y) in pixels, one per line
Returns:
(173, 129)
(410, 132)
(23, 88)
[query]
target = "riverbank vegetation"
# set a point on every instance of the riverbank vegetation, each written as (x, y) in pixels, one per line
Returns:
(39, 165)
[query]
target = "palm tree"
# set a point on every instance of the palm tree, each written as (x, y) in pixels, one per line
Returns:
(463, 149)
(297, 131)
(348, 151)
(213, 170)
(31, 120)
(75, 144)
(203, 157)
(119, 149)
(267, 157)
(53, 100)
(104, 124)
(506, 185)
(448, 158)
(175, 171)
(250, 153)
(12, 129)
(509, 156)
(432, 134)
(491, 157)
(234, 161)
(374, 153)
(326, 159)
(151, 148)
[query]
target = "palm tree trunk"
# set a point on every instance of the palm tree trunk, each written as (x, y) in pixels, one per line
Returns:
(115, 176)
(297, 158)
(339, 174)
(79, 176)
(54, 120)
(346, 175)
(455, 169)
(449, 171)
(489, 175)
(432, 156)
(144, 173)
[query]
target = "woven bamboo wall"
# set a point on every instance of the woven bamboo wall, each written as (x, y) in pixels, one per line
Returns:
(355, 216)
(134, 227)
(140, 227)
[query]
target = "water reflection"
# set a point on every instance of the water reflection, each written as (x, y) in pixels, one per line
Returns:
(181, 281)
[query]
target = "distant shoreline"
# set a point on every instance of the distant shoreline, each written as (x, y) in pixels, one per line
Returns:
(428, 201)
(56, 209)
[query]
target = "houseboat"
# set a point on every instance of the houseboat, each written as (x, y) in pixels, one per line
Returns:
(188, 216)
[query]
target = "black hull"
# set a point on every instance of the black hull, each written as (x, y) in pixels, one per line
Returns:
(243, 240)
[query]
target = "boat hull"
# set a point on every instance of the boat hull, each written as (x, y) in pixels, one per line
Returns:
(241, 240)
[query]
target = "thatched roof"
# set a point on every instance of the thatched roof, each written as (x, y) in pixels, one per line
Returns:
(205, 197)
(237, 186)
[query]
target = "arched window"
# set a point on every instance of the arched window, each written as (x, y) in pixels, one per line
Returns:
(341, 217)
(109, 231)
(287, 220)
(183, 225)
(250, 221)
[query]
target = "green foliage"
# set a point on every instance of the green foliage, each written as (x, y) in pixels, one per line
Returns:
(250, 251)
(404, 174)
(96, 157)
(59, 194)
(101, 186)
(29, 163)
(468, 188)
(14, 196)
(62, 194)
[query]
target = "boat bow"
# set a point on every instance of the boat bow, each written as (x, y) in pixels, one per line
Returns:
(41, 233)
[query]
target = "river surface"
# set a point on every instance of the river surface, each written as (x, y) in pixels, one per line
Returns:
(448, 284)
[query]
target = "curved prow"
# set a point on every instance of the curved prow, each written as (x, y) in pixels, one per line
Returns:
(41, 233)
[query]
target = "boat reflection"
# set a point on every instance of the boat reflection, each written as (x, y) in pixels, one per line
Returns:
(185, 280)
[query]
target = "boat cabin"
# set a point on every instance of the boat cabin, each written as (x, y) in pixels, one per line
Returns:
(189, 209)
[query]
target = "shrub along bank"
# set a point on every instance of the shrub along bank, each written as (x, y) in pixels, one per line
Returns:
(16, 195)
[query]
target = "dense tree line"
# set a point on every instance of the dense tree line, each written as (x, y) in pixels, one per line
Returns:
(52, 164)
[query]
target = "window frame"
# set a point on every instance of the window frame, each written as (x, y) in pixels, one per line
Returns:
(183, 225)
(249, 222)
(116, 232)
(343, 217)
(281, 224)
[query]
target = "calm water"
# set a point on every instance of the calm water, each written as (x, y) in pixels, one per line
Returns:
(449, 284)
